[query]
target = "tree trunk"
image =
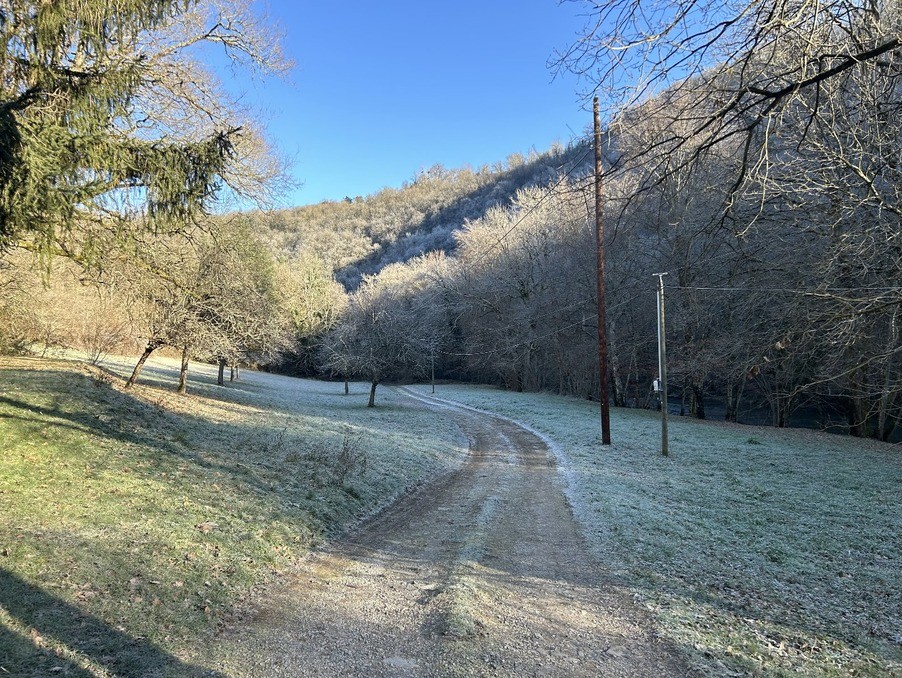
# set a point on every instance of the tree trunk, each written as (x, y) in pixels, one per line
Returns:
(889, 427)
(183, 373)
(885, 422)
(617, 380)
(734, 397)
(882, 411)
(232, 372)
(855, 415)
(347, 387)
(372, 402)
(732, 407)
(150, 348)
(220, 378)
(651, 399)
(857, 408)
(697, 402)
(739, 392)
(616, 390)
(784, 406)
(632, 380)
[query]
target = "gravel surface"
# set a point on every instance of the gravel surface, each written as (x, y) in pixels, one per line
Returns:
(482, 572)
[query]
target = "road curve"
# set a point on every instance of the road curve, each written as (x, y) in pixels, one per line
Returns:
(482, 572)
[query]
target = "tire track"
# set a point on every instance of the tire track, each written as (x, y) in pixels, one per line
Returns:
(480, 573)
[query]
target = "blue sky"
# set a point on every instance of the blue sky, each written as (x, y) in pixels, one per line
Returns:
(383, 89)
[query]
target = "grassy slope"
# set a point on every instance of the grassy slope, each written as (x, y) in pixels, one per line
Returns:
(132, 523)
(759, 550)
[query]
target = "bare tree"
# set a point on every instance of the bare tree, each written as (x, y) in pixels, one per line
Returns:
(798, 104)
(728, 71)
(213, 296)
(391, 328)
(525, 290)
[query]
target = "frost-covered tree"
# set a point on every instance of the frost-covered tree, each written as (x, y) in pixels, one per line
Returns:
(727, 70)
(393, 327)
(312, 304)
(525, 294)
(805, 97)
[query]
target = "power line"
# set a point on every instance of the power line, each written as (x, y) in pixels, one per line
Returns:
(788, 290)
(588, 300)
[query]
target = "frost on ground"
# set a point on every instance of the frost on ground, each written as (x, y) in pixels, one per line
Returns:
(759, 550)
(482, 573)
(312, 430)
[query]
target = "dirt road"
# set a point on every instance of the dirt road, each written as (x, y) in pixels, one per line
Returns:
(481, 573)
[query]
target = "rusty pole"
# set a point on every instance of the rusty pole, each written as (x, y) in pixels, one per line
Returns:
(602, 326)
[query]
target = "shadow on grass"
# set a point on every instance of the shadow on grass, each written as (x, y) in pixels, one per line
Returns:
(275, 465)
(57, 416)
(53, 622)
(124, 418)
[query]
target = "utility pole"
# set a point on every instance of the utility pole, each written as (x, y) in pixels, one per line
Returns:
(602, 325)
(662, 362)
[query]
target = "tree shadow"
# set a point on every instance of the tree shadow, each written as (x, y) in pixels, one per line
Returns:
(60, 634)
(251, 454)
(123, 417)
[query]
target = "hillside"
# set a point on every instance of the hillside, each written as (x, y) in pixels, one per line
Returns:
(362, 235)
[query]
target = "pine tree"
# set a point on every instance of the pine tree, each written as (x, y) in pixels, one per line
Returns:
(94, 99)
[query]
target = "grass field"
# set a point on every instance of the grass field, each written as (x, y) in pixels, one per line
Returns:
(760, 551)
(132, 524)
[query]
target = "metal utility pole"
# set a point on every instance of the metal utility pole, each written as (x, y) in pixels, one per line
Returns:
(662, 362)
(602, 325)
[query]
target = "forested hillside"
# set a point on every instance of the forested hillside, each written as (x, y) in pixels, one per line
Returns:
(362, 235)
(773, 206)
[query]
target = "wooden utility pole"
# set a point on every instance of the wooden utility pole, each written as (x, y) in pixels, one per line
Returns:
(602, 325)
(662, 362)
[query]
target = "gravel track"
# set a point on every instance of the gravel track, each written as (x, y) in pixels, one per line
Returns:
(481, 572)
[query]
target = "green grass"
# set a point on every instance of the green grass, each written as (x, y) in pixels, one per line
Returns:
(132, 524)
(760, 551)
